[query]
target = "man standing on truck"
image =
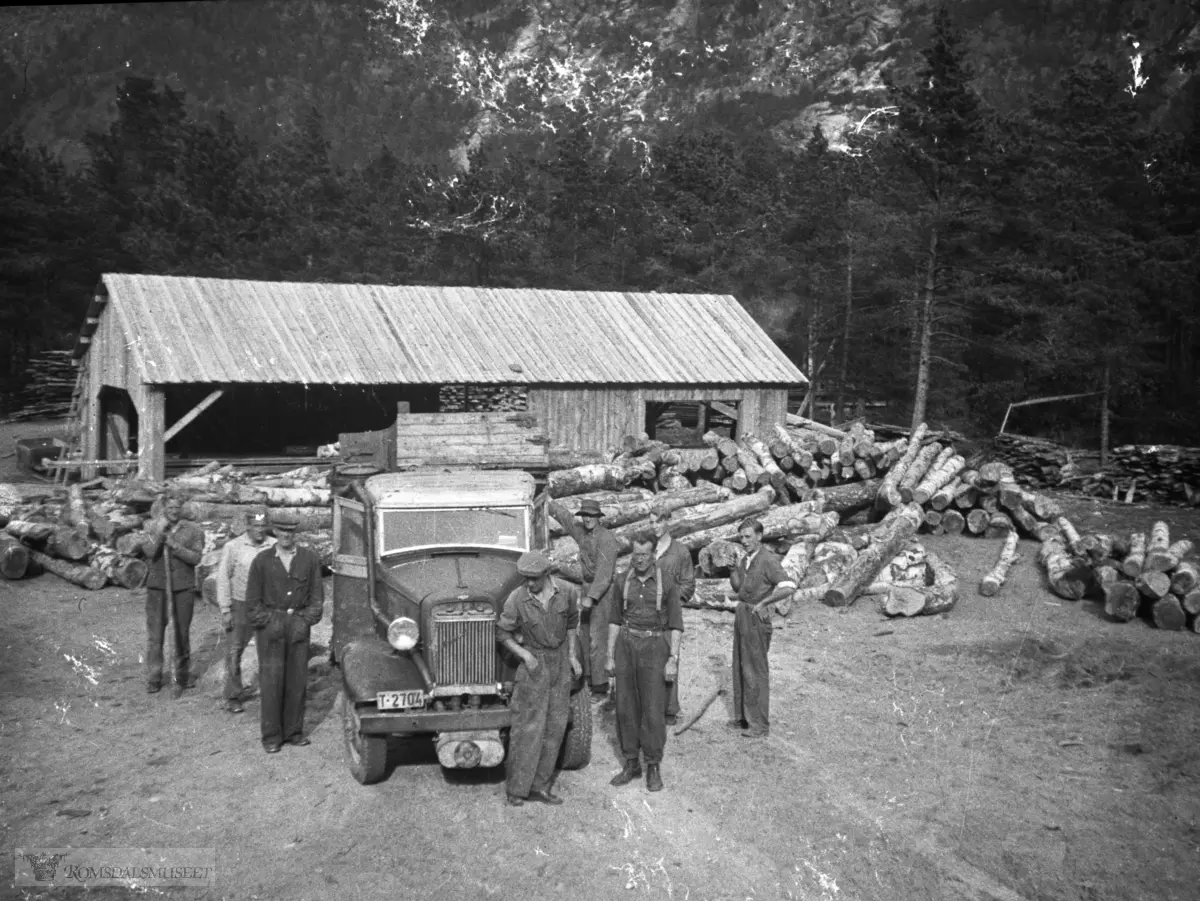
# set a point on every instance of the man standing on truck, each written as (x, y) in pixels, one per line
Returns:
(174, 546)
(544, 612)
(760, 581)
(645, 624)
(232, 575)
(676, 561)
(598, 551)
(284, 600)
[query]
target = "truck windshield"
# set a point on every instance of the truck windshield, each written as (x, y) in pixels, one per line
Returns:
(495, 526)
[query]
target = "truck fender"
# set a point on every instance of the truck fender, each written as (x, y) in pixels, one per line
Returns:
(370, 666)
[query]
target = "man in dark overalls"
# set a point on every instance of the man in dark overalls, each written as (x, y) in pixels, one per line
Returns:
(173, 546)
(645, 624)
(760, 581)
(598, 551)
(545, 614)
(676, 561)
(284, 600)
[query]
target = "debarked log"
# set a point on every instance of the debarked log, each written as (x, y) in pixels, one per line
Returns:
(887, 540)
(75, 573)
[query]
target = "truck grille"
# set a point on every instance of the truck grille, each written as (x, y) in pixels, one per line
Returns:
(464, 650)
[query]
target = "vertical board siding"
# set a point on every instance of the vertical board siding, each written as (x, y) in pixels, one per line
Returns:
(595, 420)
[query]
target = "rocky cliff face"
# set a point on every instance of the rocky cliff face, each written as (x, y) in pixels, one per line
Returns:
(434, 81)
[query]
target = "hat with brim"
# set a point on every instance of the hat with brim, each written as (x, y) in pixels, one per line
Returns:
(589, 507)
(532, 564)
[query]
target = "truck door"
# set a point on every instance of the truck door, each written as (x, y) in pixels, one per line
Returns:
(351, 573)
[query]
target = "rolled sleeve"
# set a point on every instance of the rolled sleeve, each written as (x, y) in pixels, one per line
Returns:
(774, 573)
(510, 619)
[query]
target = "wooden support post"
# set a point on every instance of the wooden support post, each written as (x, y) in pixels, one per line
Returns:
(729, 411)
(152, 422)
(189, 417)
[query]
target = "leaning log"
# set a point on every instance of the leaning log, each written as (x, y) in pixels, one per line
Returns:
(1068, 577)
(944, 469)
(75, 573)
(944, 496)
(14, 557)
(1132, 564)
(920, 466)
(773, 473)
(989, 585)
(889, 491)
(1157, 557)
(888, 538)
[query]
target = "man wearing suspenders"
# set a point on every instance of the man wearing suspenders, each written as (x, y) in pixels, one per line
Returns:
(645, 623)
(676, 561)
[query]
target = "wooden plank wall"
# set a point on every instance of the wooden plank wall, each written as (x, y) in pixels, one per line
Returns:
(585, 420)
(470, 439)
(109, 362)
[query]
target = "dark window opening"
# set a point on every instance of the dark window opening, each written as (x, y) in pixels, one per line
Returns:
(684, 423)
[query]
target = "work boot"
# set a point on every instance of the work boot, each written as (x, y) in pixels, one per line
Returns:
(176, 691)
(153, 687)
(653, 778)
(632, 770)
(546, 797)
(234, 706)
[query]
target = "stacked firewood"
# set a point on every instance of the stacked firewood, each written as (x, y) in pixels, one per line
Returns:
(47, 392)
(1165, 473)
(1134, 575)
(481, 399)
(94, 535)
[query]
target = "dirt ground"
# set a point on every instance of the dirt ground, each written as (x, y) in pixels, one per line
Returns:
(1018, 747)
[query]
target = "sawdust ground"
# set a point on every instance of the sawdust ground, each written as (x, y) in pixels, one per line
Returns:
(1018, 747)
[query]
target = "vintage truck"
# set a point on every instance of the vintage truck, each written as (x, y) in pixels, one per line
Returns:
(423, 562)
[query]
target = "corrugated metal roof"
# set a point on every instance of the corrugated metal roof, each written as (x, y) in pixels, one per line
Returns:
(224, 331)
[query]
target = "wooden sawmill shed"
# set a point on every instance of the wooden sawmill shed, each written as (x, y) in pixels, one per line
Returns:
(177, 370)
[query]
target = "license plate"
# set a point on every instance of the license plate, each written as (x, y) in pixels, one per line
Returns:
(400, 700)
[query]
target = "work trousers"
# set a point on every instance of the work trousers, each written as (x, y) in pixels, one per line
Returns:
(282, 676)
(593, 643)
(156, 629)
(540, 708)
(238, 640)
(751, 673)
(641, 693)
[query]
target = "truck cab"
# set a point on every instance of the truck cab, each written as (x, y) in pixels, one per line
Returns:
(423, 562)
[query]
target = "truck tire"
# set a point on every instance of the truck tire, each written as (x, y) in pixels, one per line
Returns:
(577, 743)
(366, 755)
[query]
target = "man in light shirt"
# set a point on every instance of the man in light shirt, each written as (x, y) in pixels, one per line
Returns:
(760, 582)
(232, 574)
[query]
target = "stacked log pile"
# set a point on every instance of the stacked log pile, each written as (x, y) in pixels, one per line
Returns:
(93, 535)
(47, 391)
(1164, 473)
(1135, 575)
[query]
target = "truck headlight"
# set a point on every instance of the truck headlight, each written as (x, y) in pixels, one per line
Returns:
(403, 633)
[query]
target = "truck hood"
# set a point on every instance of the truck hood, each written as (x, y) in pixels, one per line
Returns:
(427, 577)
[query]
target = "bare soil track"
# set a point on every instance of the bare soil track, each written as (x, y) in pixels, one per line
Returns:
(1018, 747)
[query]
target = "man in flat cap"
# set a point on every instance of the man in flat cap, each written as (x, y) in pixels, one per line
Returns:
(598, 551)
(232, 575)
(284, 600)
(173, 546)
(544, 612)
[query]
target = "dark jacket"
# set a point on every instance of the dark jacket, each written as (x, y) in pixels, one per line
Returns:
(271, 590)
(187, 539)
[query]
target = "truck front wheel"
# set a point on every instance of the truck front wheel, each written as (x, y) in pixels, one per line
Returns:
(577, 743)
(366, 755)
